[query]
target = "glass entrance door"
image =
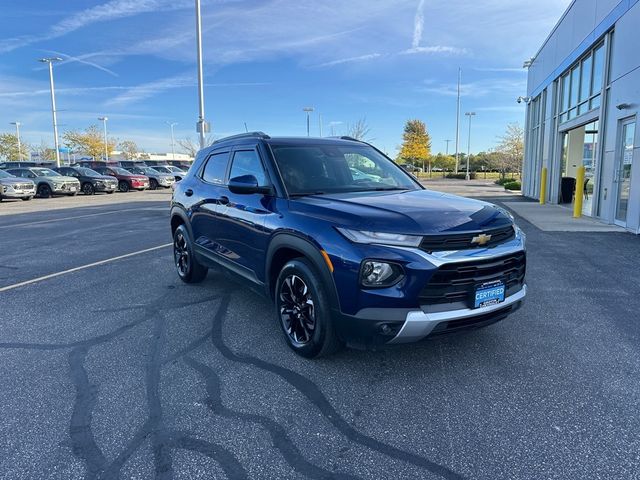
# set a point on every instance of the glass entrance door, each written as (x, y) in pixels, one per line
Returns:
(623, 173)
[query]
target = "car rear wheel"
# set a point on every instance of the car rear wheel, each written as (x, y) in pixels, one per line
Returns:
(302, 305)
(88, 189)
(123, 186)
(189, 270)
(153, 184)
(44, 190)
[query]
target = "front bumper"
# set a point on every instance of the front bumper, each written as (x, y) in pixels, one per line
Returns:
(65, 189)
(105, 187)
(17, 194)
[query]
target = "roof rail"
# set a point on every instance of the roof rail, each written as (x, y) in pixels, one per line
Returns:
(243, 135)
(346, 137)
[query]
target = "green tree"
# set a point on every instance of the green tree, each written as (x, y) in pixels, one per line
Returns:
(90, 142)
(9, 148)
(416, 143)
(511, 149)
(443, 162)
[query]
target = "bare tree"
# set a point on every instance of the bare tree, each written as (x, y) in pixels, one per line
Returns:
(511, 149)
(190, 147)
(360, 130)
(129, 149)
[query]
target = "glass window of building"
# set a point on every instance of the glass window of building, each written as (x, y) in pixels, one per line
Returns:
(581, 85)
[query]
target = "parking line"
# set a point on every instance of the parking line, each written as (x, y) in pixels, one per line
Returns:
(83, 267)
(79, 216)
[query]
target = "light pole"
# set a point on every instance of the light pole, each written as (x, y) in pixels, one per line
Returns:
(469, 114)
(17, 124)
(446, 152)
(53, 105)
(202, 126)
(308, 110)
(104, 124)
(173, 142)
(458, 119)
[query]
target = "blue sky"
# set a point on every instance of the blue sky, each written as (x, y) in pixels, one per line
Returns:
(134, 61)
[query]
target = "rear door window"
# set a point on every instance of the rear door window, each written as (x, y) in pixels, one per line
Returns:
(215, 169)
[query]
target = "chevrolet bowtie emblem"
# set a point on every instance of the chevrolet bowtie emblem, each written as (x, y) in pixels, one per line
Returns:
(481, 239)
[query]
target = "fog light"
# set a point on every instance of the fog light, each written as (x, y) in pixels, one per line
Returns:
(379, 274)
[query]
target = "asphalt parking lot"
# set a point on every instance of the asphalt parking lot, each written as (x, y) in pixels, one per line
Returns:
(110, 367)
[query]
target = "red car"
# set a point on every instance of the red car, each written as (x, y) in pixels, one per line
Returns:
(126, 180)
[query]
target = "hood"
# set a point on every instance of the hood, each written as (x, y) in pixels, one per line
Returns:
(417, 212)
(135, 176)
(14, 181)
(103, 178)
(63, 178)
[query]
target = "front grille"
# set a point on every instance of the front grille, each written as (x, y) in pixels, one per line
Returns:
(25, 186)
(462, 241)
(457, 282)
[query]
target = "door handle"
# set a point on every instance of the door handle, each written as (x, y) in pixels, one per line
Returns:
(224, 200)
(188, 192)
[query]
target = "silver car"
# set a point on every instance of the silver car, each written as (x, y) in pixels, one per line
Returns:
(47, 181)
(156, 179)
(13, 187)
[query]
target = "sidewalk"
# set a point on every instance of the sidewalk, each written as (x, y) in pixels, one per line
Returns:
(556, 218)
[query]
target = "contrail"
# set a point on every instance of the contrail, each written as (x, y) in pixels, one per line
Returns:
(418, 25)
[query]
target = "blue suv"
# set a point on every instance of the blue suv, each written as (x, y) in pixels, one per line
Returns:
(350, 247)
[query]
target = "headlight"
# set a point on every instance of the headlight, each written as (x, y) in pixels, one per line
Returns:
(375, 274)
(506, 212)
(359, 236)
(57, 186)
(98, 183)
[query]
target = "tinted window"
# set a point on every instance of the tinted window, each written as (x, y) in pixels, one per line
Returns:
(247, 162)
(216, 168)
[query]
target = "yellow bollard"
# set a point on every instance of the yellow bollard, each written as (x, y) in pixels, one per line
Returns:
(543, 186)
(577, 202)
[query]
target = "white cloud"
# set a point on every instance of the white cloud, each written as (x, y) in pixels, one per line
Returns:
(418, 25)
(360, 58)
(435, 49)
(477, 89)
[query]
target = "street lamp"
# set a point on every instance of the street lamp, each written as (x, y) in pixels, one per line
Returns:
(17, 124)
(173, 142)
(308, 110)
(447, 149)
(50, 61)
(469, 114)
(202, 125)
(106, 151)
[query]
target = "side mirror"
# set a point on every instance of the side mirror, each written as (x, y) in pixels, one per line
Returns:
(246, 184)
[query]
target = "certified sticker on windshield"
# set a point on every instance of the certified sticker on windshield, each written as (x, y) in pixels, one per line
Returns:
(489, 294)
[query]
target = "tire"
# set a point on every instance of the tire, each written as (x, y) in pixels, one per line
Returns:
(303, 310)
(153, 184)
(110, 192)
(26, 199)
(123, 186)
(188, 268)
(88, 189)
(44, 190)
(72, 194)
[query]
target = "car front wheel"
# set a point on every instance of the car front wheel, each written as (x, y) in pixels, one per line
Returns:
(123, 186)
(44, 190)
(302, 306)
(188, 268)
(88, 189)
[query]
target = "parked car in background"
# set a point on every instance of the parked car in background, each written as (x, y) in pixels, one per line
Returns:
(126, 180)
(411, 168)
(48, 182)
(156, 179)
(90, 180)
(360, 175)
(13, 187)
(177, 173)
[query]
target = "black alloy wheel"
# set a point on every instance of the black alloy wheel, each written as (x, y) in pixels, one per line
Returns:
(304, 310)
(88, 189)
(153, 184)
(188, 268)
(44, 190)
(123, 186)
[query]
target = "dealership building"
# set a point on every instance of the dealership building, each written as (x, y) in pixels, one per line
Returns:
(583, 96)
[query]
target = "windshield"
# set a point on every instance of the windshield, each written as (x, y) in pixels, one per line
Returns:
(149, 171)
(162, 169)
(45, 172)
(87, 172)
(4, 174)
(175, 169)
(120, 171)
(317, 169)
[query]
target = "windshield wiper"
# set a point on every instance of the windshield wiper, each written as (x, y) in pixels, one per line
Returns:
(385, 189)
(306, 194)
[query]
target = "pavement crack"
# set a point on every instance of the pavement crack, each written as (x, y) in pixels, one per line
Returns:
(313, 393)
(278, 434)
(83, 443)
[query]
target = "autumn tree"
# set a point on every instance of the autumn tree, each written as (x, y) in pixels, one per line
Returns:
(90, 142)
(45, 152)
(129, 149)
(511, 149)
(416, 143)
(9, 148)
